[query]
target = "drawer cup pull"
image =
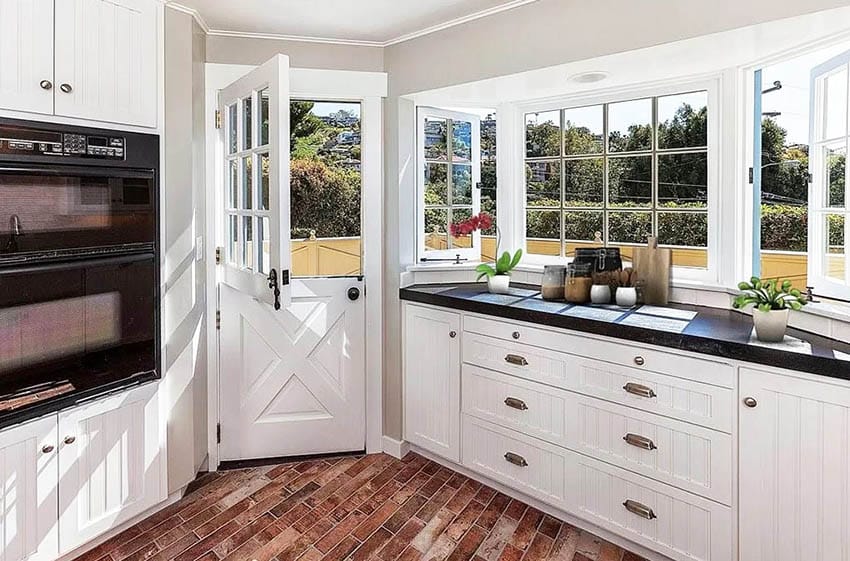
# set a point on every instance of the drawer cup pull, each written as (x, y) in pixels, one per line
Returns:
(639, 509)
(639, 441)
(515, 403)
(515, 459)
(516, 360)
(639, 390)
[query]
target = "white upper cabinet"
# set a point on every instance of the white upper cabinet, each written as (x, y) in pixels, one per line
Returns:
(106, 60)
(794, 468)
(26, 55)
(110, 464)
(28, 495)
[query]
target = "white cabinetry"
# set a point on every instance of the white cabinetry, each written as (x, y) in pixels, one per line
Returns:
(71, 477)
(794, 468)
(432, 380)
(84, 59)
(28, 468)
(26, 55)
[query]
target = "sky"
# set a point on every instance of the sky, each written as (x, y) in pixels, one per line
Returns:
(325, 108)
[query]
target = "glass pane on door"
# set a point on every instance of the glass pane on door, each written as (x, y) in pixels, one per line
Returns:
(325, 188)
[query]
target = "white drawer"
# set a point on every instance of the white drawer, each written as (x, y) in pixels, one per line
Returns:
(690, 457)
(695, 402)
(617, 352)
(681, 526)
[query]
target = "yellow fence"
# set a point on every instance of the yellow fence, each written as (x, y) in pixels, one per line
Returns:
(326, 257)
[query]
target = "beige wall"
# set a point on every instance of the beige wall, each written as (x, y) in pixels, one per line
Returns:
(183, 196)
(536, 35)
(239, 50)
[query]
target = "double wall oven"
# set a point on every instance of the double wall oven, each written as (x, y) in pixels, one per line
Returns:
(79, 264)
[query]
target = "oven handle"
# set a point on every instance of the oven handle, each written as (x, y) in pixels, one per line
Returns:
(78, 264)
(87, 171)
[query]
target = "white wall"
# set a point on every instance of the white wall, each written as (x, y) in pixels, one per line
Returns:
(241, 50)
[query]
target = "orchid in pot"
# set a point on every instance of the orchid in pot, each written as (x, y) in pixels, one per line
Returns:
(772, 300)
(498, 274)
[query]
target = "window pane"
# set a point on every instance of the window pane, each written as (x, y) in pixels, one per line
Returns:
(836, 173)
(264, 182)
(488, 185)
(461, 184)
(683, 120)
(435, 229)
(264, 238)
(462, 141)
(543, 183)
(835, 261)
(248, 242)
(630, 126)
(248, 124)
(582, 226)
(232, 238)
(247, 183)
(232, 129)
(543, 232)
(233, 188)
(835, 109)
(683, 180)
(629, 227)
(583, 130)
(436, 184)
(436, 139)
(583, 182)
(687, 229)
(461, 215)
(543, 134)
(630, 181)
(264, 117)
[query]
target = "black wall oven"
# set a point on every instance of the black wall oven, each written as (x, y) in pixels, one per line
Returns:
(79, 264)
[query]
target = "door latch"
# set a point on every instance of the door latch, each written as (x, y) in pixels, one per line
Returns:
(273, 285)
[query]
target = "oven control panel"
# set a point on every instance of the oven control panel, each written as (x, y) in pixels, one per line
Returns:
(35, 142)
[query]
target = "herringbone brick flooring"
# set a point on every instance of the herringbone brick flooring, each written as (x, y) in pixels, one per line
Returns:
(372, 508)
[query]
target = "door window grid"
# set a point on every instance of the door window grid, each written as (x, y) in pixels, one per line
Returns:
(247, 184)
(647, 217)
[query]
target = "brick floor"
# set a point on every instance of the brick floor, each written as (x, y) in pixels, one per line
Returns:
(372, 508)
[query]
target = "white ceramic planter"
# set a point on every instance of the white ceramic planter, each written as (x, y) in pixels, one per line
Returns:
(626, 296)
(499, 284)
(600, 294)
(770, 326)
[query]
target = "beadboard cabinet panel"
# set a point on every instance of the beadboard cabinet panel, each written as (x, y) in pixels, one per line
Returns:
(432, 380)
(26, 55)
(794, 468)
(28, 468)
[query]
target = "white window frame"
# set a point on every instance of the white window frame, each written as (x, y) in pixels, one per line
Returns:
(470, 254)
(819, 208)
(712, 85)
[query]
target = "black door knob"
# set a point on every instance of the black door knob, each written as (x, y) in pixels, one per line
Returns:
(353, 293)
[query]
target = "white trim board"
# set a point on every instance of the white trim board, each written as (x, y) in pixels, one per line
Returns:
(369, 88)
(342, 41)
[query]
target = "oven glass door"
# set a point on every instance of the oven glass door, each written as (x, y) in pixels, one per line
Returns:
(74, 209)
(76, 325)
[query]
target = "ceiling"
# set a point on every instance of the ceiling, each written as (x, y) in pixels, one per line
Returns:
(371, 22)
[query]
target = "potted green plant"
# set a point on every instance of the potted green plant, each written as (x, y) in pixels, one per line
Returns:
(499, 274)
(772, 300)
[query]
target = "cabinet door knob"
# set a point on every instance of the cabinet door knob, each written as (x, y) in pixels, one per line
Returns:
(750, 402)
(640, 361)
(69, 439)
(452, 334)
(47, 449)
(515, 334)
(46, 84)
(66, 88)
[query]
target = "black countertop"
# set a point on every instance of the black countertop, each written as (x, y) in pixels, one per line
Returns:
(710, 331)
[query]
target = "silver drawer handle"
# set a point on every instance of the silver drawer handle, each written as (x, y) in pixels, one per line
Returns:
(639, 441)
(639, 509)
(516, 403)
(516, 360)
(515, 459)
(639, 390)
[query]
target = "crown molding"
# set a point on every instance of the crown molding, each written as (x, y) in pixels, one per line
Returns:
(345, 42)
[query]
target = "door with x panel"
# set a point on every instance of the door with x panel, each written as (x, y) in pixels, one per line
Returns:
(292, 377)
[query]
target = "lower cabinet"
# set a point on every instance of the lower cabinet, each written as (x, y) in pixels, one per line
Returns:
(73, 476)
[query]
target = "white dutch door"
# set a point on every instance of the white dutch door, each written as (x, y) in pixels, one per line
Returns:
(291, 339)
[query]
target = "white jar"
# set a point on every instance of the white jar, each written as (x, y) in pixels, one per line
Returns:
(626, 296)
(600, 294)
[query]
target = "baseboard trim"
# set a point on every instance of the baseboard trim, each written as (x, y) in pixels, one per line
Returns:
(396, 448)
(543, 507)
